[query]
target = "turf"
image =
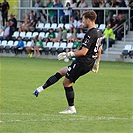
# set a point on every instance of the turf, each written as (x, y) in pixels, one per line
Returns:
(103, 100)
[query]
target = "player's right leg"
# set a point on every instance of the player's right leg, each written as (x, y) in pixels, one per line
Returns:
(51, 80)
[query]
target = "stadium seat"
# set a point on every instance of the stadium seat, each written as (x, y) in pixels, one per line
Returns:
(102, 27)
(53, 26)
(60, 25)
(46, 26)
(15, 35)
(131, 52)
(8, 46)
(22, 34)
(42, 34)
(54, 48)
(48, 47)
(69, 45)
(39, 26)
(28, 36)
(63, 45)
(34, 34)
(67, 26)
(126, 50)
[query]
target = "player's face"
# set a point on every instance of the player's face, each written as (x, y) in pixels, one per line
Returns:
(85, 22)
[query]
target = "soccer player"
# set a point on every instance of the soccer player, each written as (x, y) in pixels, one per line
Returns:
(87, 59)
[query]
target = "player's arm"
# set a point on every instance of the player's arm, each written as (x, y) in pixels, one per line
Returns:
(81, 52)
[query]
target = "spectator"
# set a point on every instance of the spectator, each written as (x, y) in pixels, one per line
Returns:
(13, 22)
(113, 3)
(0, 15)
(114, 22)
(122, 3)
(76, 44)
(100, 14)
(33, 44)
(61, 13)
(121, 28)
(108, 33)
(64, 33)
(73, 25)
(95, 3)
(73, 4)
(25, 26)
(79, 25)
(131, 15)
(5, 8)
(67, 12)
(59, 37)
(7, 32)
(20, 45)
(50, 12)
(38, 46)
(51, 36)
(32, 24)
(38, 13)
(80, 35)
(82, 4)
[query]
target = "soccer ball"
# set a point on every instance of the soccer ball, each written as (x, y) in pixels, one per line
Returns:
(66, 60)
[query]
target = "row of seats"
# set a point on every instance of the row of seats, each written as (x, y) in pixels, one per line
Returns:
(55, 26)
(127, 51)
(47, 47)
(47, 26)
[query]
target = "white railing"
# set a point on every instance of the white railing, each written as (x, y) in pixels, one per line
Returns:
(64, 8)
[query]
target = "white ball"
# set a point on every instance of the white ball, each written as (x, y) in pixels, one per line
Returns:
(66, 60)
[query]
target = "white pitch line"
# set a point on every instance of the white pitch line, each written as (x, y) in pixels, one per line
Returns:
(60, 118)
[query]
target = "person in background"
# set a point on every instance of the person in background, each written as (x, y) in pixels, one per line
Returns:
(13, 22)
(7, 32)
(108, 33)
(20, 45)
(67, 12)
(32, 46)
(50, 12)
(131, 15)
(5, 7)
(38, 46)
(58, 4)
(51, 36)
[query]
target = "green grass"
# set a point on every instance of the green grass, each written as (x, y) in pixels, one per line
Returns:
(103, 100)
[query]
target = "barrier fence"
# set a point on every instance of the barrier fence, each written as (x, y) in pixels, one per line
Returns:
(23, 10)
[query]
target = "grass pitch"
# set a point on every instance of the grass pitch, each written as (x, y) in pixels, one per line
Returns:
(103, 100)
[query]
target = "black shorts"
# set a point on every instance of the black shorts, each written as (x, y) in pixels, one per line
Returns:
(76, 69)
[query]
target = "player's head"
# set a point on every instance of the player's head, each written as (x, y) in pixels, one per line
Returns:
(89, 17)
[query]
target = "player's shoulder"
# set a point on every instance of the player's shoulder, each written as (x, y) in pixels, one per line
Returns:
(93, 32)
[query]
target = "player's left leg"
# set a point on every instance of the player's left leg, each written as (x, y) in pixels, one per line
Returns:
(69, 96)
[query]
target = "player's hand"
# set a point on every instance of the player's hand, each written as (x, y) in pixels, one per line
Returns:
(70, 54)
(96, 66)
(62, 56)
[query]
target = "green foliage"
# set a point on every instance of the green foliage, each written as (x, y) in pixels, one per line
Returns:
(103, 100)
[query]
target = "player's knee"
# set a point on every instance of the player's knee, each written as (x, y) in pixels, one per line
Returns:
(67, 83)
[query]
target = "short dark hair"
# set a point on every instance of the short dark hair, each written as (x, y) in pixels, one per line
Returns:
(90, 14)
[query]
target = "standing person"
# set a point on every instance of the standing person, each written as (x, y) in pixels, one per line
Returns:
(50, 12)
(87, 59)
(13, 22)
(5, 8)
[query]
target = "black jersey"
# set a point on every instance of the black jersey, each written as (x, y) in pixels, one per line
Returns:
(92, 42)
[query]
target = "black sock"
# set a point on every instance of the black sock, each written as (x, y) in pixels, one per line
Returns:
(69, 95)
(53, 79)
